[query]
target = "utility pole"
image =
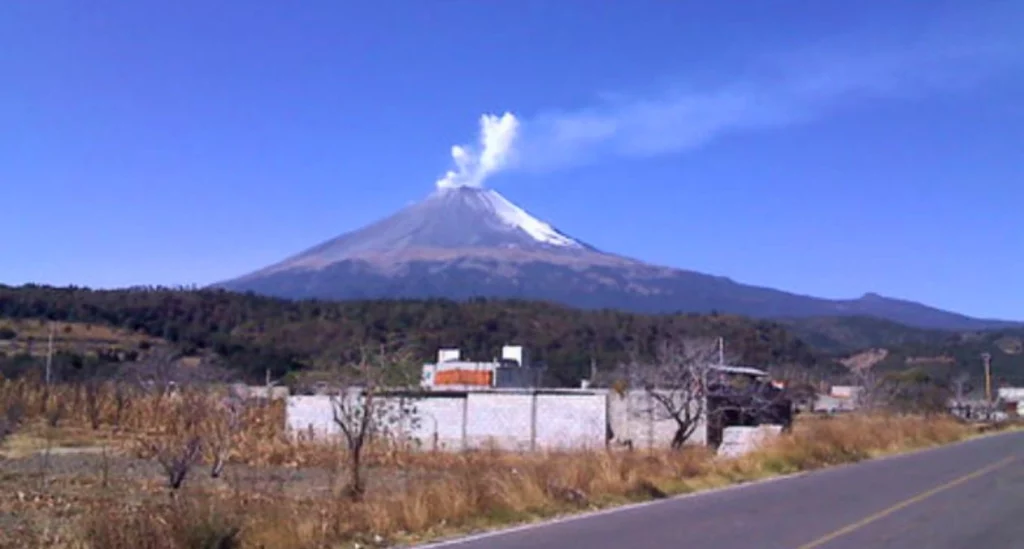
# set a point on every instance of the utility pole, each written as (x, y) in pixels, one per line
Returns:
(49, 354)
(986, 359)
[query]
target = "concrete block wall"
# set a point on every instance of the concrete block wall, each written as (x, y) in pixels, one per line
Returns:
(572, 421)
(311, 414)
(503, 420)
(635, 418)
(437, 423)
(513, 420)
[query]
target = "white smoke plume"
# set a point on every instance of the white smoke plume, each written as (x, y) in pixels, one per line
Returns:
(495, 153)
(775, 91)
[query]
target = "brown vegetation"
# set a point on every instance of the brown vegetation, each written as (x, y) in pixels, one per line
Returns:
(283, 492)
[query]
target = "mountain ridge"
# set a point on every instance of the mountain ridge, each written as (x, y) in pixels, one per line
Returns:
(468, 242)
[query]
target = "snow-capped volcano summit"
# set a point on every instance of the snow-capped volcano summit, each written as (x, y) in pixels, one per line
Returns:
(491, 206)
(453, 222)
(463, 242)
(473, 217)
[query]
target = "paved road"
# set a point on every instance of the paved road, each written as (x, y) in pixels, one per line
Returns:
(966, 496)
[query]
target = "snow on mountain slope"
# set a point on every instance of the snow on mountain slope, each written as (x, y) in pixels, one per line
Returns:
(463, 242)
(518, 217)
(449, 221)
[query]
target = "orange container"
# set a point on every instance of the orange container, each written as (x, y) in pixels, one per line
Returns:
(463, 377)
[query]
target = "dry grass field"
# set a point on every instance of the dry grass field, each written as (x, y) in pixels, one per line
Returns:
(88, 467)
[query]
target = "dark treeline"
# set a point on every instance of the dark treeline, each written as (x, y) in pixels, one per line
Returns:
(252, 333)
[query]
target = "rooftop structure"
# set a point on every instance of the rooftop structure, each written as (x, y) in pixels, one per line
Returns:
(739, 370)
(512, 369)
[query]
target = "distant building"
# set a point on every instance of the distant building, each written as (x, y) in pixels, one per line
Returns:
(845, 391)
(1012, 398)
(1010, 394)
(832, 404)
(839, 399)
(512, 370)
(744, 396)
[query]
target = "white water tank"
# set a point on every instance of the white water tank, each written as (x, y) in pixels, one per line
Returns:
(515, 353)
(448, 355)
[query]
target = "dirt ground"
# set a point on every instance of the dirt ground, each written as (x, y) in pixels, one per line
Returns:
(43, 493)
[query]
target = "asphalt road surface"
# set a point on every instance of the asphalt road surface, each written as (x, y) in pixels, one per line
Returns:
(966, 496)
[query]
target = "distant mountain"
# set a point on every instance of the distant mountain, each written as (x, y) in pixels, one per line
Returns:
(466, 242)
(838, 335)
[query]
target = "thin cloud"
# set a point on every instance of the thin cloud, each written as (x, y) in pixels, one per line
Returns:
(770, 92)
(684, 117)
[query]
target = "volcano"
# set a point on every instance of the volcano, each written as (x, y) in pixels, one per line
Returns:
(465, 242)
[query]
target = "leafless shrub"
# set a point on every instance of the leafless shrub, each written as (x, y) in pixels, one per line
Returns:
(179, 458)
(44, 460)
(675, 384)
(179, 450)
(960, 385)
(55, 413)
(105, 467)
(225, 425)
(909, 391)
(916, 391)
(12, 412)
(363, 409)
(93, 389)
(122, 402)
(162, 373)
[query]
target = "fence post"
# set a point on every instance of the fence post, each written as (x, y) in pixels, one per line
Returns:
(650, 420)
(533, 422)
(465, 419)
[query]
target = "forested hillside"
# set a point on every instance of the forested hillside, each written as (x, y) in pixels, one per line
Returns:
(252, 333)
(941, 353)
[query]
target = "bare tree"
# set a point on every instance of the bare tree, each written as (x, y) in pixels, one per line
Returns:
(154, 373)
(675, 383)
(873, 389)
(93, 389)
(365, 405)
(225, 425)
(960, 384)
(122, 401)
(186, 416)
(178, 459)
(162, 372)
(907, 391)
(55, 413)
(181, 448)
(919, 392)
(691, 384)
(13, 409)
(752, 399)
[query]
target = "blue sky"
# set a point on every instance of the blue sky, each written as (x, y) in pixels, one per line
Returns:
(829, 147)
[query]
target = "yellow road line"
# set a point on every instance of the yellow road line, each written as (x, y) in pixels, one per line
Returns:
(905, 503)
